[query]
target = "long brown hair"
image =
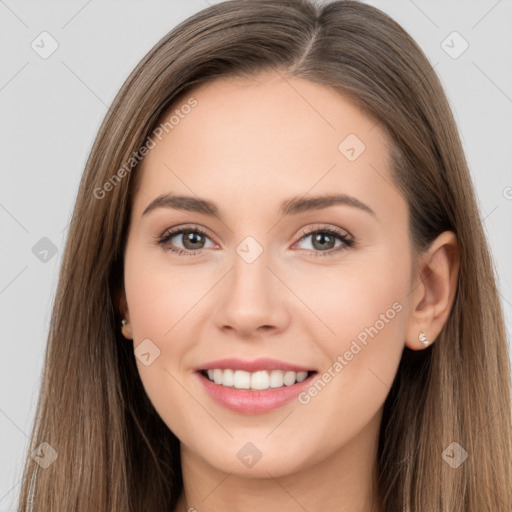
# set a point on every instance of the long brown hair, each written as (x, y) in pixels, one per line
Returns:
(113, 450)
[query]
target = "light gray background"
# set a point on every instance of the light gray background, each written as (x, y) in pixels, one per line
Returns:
(51, 109)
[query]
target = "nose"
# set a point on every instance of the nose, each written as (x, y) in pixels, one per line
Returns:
(253, 301)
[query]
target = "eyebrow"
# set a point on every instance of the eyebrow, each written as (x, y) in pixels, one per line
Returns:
(288, 207)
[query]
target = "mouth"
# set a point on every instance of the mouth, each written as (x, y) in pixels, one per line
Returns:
(255, 381)
(253, 390)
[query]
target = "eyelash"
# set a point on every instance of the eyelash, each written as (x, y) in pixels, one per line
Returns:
(169, 234)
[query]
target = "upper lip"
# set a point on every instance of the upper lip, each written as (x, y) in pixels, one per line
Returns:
(252, 366)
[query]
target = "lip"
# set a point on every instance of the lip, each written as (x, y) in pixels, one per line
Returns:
(264, 363)
(246, 401)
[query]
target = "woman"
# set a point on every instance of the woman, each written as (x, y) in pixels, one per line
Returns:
(201, 356)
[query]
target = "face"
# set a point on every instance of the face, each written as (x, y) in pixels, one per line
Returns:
(297, 307)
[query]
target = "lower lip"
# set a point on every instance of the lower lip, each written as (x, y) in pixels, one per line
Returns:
(253, 402)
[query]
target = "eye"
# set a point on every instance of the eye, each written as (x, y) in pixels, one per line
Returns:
(192, 240)
(324, 239)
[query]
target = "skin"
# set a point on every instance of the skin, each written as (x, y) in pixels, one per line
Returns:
(247, 146)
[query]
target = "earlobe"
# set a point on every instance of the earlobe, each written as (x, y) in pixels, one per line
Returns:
(433, 291)
(126, 328)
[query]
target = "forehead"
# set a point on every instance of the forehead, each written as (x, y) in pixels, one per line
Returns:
(265, 138)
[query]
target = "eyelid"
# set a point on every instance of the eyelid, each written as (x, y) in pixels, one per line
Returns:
(321, 227)
(308, 230)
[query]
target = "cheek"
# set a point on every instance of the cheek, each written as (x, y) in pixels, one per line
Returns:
(161, 298)
(362, 297)
(162, 295)
(367, 310)
(370, 317)
(368, 306)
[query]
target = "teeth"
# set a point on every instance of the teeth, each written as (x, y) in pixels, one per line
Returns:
(289, 378)
(260, 380)
(257, 381)
(228, 378)
(276, 379)
(217, 376)
(241, 379)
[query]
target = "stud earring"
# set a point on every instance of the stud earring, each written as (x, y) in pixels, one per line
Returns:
(123, 325)
(423, 338)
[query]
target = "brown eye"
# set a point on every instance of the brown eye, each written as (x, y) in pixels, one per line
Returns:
(323, 240)
(192, 240)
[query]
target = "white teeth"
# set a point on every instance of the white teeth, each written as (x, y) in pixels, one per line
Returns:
(301, 376)
(276, 379)
(289, 378)
(260, 380)
(217, 376)
(228, 378)
(257, 381)
(241, 380)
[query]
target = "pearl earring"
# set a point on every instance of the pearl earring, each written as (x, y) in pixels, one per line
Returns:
(423, 338)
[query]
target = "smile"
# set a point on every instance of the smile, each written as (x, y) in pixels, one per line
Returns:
(260, 387)
(255, 381)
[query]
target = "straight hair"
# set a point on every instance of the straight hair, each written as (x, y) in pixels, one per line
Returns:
(114, 451)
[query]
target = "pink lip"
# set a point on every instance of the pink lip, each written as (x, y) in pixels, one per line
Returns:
(252, 402)
(253, 366)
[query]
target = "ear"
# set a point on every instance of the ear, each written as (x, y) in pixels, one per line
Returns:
(122, 306)
(433, 289)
